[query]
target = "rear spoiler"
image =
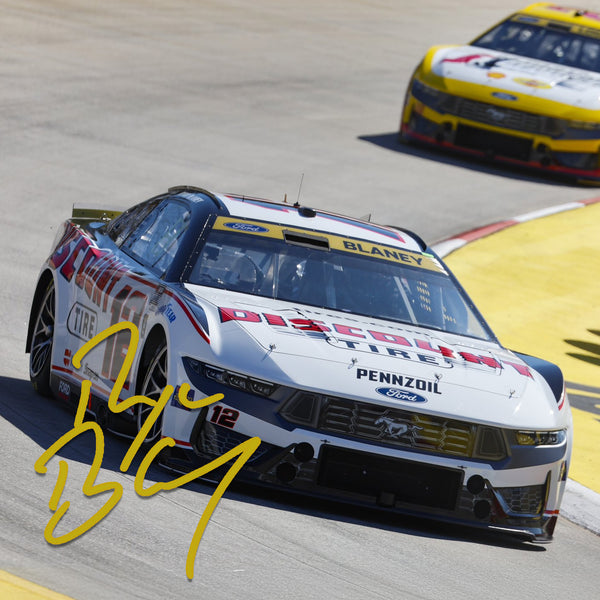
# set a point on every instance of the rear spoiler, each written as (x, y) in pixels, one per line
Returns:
(85, 214)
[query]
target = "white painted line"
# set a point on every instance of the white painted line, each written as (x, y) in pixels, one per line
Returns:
(581, 506)
(545, 212)
(448, 246)
(445, 247)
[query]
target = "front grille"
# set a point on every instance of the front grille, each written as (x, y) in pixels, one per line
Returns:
(501, 116)
(392, 480)
(398, 427)
(500, 144)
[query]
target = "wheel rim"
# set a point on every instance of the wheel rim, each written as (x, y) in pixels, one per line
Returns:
(43, 333)
(154, 383)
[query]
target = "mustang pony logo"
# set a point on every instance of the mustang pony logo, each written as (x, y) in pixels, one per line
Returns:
(496, 115)
(393, 429)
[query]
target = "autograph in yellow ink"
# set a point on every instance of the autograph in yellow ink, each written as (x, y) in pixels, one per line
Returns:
(90, 488)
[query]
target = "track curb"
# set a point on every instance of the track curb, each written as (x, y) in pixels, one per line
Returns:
(580, 504)
(17, 588)
(449, 245)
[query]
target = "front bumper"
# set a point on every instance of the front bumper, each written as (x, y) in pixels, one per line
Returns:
(499, 133)
(359, 475)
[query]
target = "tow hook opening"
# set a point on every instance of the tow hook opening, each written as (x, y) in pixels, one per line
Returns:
(286, 471)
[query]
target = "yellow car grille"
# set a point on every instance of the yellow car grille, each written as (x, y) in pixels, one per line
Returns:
(500, 116)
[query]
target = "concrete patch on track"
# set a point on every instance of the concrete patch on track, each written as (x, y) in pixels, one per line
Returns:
(538, 286)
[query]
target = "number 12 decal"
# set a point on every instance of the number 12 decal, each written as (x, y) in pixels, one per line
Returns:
(224, 416)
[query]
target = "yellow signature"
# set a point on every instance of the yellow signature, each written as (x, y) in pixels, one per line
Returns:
(90, 488)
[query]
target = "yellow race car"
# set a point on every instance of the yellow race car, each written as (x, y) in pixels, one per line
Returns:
(527, 91)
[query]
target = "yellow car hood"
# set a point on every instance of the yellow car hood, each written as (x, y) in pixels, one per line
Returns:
(473, 71)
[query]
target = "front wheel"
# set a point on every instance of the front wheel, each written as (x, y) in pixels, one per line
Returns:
(153, 383)
(40, 356)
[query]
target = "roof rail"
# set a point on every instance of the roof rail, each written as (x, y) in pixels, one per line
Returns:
(192, 188)
(417, 238)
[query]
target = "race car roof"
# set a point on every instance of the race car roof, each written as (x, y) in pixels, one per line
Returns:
(570, 15)
(317, 220)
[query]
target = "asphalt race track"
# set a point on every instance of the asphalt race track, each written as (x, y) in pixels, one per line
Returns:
(110, 103)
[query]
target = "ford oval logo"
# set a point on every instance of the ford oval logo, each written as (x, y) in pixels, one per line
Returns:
(504, 96)
(246, 227)
(398, 394)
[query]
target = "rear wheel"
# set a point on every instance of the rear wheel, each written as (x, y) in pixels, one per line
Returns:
(40, 355)
(153, 383)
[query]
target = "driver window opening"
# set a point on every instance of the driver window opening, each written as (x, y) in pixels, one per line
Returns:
(156, 240)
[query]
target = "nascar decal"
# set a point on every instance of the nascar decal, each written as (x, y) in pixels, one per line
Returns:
(99, 274)
(359, 338)
(233, 459)
(403, 396)
(96, 272)
(404, 381)
(395, 352)
(247, 227)
(406, 257)
(483, 61)
(168, 311)
(507, 62)
(532, 83)
(81, 322)
(549, 80)
(191, 392)
(112, 288)
(334, 242)
(64, 389)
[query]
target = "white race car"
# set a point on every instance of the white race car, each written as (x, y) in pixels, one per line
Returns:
(347, 347)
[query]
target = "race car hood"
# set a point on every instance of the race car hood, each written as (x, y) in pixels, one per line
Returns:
(512, 79)
(378, 361)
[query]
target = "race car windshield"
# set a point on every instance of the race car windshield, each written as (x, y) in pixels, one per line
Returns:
(553, 43)
(336, 280)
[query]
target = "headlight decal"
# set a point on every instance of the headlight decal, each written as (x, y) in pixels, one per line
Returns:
(541, 438)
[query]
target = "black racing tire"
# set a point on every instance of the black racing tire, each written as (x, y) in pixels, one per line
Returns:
(42, 339)
(153, 382)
